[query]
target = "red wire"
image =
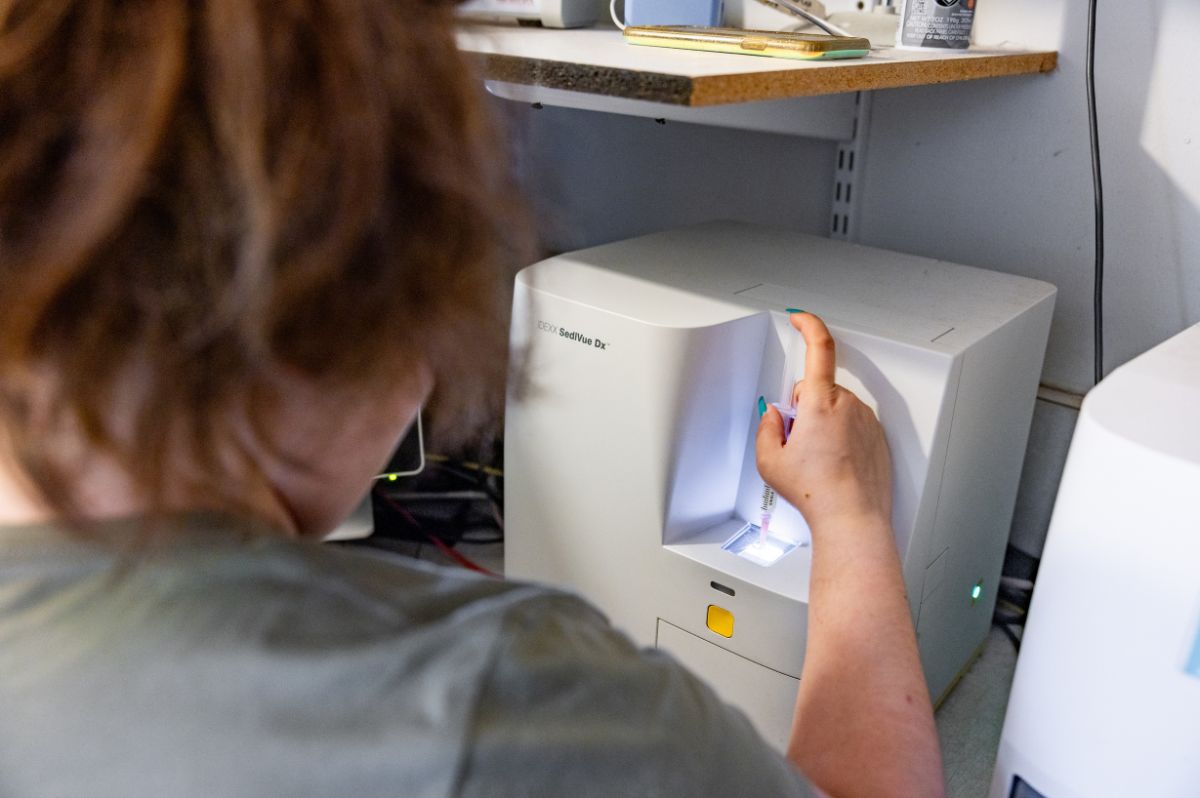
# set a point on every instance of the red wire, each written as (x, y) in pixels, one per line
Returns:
(458, 557)
(440, 544)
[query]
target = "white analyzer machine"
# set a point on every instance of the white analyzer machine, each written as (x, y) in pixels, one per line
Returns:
(1106, 698)
(630, 425)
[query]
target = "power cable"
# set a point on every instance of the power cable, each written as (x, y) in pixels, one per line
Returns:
(1098, 197)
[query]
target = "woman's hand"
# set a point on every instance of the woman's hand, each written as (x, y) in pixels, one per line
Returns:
(834, 466)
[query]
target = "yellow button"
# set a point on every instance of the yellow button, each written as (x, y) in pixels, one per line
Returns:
(720, 620)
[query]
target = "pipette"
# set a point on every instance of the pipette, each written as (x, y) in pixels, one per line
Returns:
(787, 411)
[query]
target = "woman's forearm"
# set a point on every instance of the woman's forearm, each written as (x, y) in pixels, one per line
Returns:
(864, 723)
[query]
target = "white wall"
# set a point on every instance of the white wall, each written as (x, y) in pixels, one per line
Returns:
(997, 173)
(992, 173)
(598, 177)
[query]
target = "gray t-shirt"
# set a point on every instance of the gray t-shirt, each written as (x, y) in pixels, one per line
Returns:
(226, 663)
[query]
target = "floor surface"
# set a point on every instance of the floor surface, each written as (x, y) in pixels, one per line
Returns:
(970, 719)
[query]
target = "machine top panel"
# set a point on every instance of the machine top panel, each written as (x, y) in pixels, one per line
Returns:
(729, 269)
(1152, 400)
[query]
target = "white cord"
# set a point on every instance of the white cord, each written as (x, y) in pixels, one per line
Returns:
(790, 7)
(612, 12)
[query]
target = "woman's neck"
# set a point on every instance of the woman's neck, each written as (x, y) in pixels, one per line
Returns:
(102, 490)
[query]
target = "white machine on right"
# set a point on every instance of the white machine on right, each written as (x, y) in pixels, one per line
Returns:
(1106, 698)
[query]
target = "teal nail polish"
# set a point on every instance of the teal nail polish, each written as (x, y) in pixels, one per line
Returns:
(796, 310)
(762, 406)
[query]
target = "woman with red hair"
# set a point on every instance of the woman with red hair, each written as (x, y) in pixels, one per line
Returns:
(241, 243)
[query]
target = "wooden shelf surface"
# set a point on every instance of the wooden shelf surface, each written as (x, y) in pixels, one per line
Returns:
(598, 61)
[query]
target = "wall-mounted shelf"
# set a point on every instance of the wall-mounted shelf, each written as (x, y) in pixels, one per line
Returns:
(597, 61)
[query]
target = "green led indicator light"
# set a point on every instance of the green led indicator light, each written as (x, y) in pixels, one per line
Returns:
(392, 477)
(977, 591)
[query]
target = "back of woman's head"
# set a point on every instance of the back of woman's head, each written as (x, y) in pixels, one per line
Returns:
(202, 193)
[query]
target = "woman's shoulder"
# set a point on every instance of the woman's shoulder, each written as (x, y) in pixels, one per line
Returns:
(480, 685)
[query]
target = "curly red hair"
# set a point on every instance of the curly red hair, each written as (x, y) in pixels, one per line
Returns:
(224, 188)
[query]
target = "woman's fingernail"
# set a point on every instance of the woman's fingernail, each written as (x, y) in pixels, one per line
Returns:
(762, 406)
(796, 310)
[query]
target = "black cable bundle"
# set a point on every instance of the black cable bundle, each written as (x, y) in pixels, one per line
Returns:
(1012, 607)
